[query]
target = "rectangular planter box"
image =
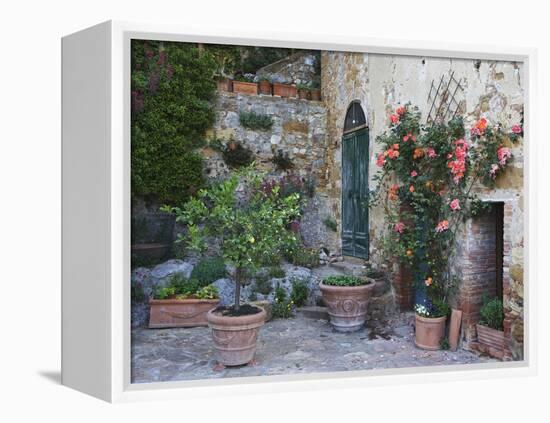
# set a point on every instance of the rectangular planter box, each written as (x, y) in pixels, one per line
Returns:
(225, 84)
(491, 338)
(180, 313)
(241, 87)
(284, 90)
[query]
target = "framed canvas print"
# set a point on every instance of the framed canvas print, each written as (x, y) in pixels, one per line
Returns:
(244, 210)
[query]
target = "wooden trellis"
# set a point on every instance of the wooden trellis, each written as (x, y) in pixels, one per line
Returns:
(443, 100)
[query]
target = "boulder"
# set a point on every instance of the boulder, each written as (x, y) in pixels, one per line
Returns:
(164, 270)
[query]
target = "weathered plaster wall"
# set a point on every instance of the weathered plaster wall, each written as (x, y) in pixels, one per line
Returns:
(299, 128)
(493, 90)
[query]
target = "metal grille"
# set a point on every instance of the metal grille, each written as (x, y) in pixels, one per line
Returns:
(444, 99)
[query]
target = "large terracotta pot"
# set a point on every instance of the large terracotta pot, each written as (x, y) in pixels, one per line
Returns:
(490, 337)
(242, 87)
(429, 331)
(347, 305)
(174, 313)
(152, 235)
(235, 337)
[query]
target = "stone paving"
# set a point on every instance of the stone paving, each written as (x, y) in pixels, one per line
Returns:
(287, 346)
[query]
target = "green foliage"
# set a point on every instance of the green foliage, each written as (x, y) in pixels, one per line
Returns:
(444, 344)
(330, 223)
(247, 230)
(252, 120)
(343, 280)
(305, 257)
(181, 288)
(425, 187)
(276, 272)
(282, 307)
(492, 313)
(299, 292)
(137, 293)
(282, 160)
(208, 292)
(172, 106)
(236, 155)
(440, 308)
(262, 284)
(209, 269)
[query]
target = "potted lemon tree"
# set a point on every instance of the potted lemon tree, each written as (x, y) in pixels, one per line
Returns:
(249, 228)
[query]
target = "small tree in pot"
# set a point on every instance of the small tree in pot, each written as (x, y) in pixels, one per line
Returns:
(251, 223)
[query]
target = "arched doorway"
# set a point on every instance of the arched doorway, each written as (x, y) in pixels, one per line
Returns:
(355, 183)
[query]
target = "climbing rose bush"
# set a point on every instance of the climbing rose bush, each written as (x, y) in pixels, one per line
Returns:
(425, 183)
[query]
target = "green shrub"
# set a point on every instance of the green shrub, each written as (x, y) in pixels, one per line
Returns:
(253, 120)
(299, 292)
(208, 292)
(330, 223)
(236, 155)
(262, 284)
(172, 107)
(276, 272)
(343, 280)
(282, 307)
(282, 160)
(209, 270)
(492, 313)
(305, 257)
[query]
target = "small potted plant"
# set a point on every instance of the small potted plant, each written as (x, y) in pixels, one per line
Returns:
(284, 90)
(347, 298)
(303, 91)
(183, 303)
(430, 319)
(264, 84)
(314, 91)
(244, 84)
(248, 231)
(490, 327)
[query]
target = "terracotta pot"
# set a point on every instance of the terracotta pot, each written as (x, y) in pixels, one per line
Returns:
(241, 87)
(235, 337)
(490, 337)
(174, 313)
(429, 331)
(303, 94)
(152, 251)
(347, 305)
(225, 84)
(152, 234)
(284, 90)
(315, 94)
(265, 87)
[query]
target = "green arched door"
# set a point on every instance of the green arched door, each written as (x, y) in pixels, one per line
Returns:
(355, 190)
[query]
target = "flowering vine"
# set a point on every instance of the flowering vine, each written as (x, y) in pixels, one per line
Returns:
(425, 183)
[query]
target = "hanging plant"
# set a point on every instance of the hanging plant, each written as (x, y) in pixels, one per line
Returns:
(425, 186)
(236, 155)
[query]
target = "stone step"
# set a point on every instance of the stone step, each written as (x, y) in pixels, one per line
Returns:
(313, 312)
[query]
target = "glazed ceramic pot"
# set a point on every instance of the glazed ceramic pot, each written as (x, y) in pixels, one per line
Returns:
(173, 313)
(347, 305)
(429, 331)
(490, 337)
(235, 337)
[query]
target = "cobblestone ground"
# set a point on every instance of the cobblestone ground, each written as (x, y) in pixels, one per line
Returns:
(292, 346)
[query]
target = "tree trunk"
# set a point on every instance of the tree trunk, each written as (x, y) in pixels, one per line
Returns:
(238, 277)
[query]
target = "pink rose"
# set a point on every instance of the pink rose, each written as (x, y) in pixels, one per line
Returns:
(455, 204)
(516, 129)
(399, 227)
(414, 173)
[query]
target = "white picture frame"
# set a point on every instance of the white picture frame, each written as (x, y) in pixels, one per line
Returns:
(96, 214)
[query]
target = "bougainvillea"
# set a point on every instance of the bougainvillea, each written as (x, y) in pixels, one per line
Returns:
(425, 185)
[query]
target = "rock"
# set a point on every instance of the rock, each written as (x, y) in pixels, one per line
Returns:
(171, 267)
(226, 288)
(139, 315)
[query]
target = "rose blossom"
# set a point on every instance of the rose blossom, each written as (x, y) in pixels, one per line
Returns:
(399, 227)
(394, 119)
(381, 161)
(401, 110)
(516, 129)
(503, 154)
(455, 205)
(414, 173)
(442, 226)
(431, 153)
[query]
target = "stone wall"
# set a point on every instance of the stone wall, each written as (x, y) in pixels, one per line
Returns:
(299, 129)
(493, 90)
